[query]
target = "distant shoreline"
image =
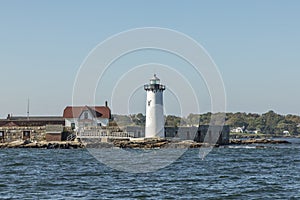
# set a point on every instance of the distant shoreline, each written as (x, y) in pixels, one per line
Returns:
(259, 136)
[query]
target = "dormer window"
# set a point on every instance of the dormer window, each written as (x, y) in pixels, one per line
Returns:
(86, 115)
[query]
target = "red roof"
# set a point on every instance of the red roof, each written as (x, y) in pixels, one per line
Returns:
(75, 111)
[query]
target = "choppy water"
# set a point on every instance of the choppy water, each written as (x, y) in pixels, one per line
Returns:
(234, 172)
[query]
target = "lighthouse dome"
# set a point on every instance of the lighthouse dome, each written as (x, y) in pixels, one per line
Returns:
(155, 80)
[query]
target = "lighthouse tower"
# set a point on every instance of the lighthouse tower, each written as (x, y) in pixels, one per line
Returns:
(154, 109)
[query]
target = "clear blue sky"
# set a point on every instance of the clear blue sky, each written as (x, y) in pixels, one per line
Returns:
(255, 44)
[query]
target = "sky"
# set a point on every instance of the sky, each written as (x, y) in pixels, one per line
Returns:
(255, 45)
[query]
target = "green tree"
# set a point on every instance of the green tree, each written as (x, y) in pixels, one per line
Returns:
(172, 120)
(138, 119)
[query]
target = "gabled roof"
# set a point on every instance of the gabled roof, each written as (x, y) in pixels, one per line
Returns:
(97, 111)
(11, 124)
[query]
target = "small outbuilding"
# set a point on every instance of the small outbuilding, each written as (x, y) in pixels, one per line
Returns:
(54, 132)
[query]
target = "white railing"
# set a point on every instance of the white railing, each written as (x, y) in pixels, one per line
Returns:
(103, 134)
(71, 137)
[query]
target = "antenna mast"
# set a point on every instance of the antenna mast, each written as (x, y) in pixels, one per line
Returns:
(28, 109)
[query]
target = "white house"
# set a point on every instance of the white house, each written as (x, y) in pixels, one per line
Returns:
(237, 130)
(287, 133)
(252, 132)
(76, 116)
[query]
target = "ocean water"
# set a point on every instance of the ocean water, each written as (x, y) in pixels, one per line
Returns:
(230, 172)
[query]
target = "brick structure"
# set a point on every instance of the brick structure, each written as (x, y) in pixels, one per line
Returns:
(23, 128)
(54, 132)
(53, 137)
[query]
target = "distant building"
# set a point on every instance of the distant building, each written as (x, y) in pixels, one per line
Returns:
(202, 133)
(287, 133)
(252, 131)
(54, 132)
(237, 130)
(76, 116)
(19, 127)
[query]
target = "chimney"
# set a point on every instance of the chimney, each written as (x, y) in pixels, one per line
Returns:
(8, 116)
(106, 104)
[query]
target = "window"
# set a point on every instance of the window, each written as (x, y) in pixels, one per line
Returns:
(1, 133)
(73, 126)
(26, 133)
(86, 115)
(99, 124)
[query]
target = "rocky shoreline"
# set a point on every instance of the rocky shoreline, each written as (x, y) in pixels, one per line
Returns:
(42, 145)
(148, 144)
(134, 144)
(258, 141)
(161, 143)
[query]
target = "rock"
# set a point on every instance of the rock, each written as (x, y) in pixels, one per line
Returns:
(279, 142)
(159, 144)
(3, 145)
(260, 147)
(15, 144)
(258, 141)
(31, 145)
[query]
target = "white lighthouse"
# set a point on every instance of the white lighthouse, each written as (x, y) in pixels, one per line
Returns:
(154, 109)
